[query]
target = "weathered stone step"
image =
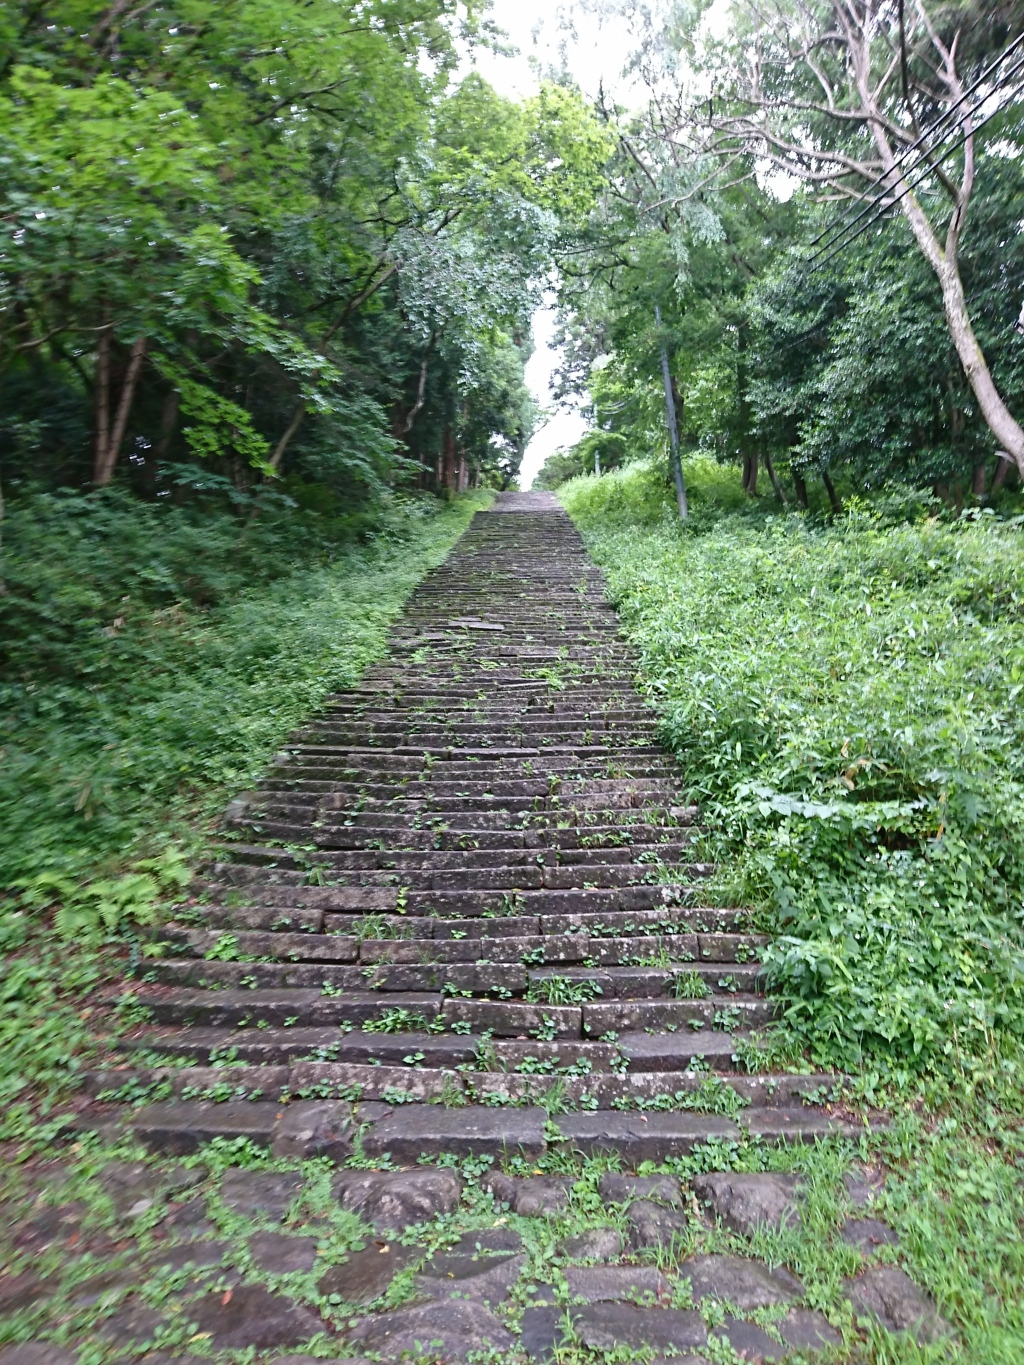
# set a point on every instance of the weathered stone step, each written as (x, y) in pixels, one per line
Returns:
(229, 1006)
(460, 904)
(358, 862)
(442, 1069)
(410, 1131)
(318, 963)
(536, 950)
(525, 875)
(603, 925)
(247, 1057)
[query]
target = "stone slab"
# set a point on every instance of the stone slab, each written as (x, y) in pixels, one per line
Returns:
(485, 1277)
(596, 1244)
(598, 1284)
(278, 1254)
(744, 1283)
(416, 1129)
(641, 1137)
(449, 1329)
(606, 1326)
(745, 1202)
(889, 1296)
(623, 1189)
(867, 1234)
(308, 1128)
(250, 1315)
(397, 1199)
(365, 1275)
(265, 1194)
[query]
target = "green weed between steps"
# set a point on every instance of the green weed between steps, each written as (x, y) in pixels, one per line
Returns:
(846, 699)
(152, 660)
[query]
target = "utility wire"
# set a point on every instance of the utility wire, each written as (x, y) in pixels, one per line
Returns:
(908, 186)
(927, 159)
(929, 132)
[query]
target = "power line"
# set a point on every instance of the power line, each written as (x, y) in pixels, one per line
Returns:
(928, 133)
(908, 186)
(927, 159)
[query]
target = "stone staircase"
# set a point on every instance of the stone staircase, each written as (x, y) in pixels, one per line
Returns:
(463, 913)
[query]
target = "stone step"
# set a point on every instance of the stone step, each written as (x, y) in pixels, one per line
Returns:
(410, 1131)
(377, 861)
(229, 1005)
(526, 875)
(456, 904)
(378, 1069)
(648, 924)
(252, 1056)
(319, 963)
(739, 952)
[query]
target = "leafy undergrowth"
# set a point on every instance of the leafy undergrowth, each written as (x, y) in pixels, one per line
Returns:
(153, 658)
(953, 1197)
(847, 701)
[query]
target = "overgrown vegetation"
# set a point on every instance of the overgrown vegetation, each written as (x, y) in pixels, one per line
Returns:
(844, 697)
(153, 659)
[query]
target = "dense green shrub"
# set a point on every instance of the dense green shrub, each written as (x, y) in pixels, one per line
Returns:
(152, 656)
(846, 702)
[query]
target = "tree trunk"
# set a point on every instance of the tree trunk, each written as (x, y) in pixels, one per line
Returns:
(1002, 469)
(463, 479)
(289, 432)
(833, 496)
(780, 492)
(107, 459)
(750, 473)
(449, 459)
(943, 260)
(978, 482)
(168, 424)
(102, 434)
(597, 464)
(3, 585)
(800, 484)
(671, 416)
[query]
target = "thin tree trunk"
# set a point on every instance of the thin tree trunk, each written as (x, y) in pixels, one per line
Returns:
(943, 260)
(597, 464)
(978, 482)
(168, 424)
(449, 459)
(1002, 469)
(102, 435)
(779, 490)
(673, 428)
(3, 585)
(124, 407)
(751, 470)
(289, 432)
(833, 496)
(800, 484)
(463, 479)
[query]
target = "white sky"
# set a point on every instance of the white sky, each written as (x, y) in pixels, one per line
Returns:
(594, 52)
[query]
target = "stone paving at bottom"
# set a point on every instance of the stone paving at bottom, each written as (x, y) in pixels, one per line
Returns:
(153, 1260)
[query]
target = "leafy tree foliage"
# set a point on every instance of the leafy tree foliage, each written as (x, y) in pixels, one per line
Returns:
(841, 367)
(271, 234)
